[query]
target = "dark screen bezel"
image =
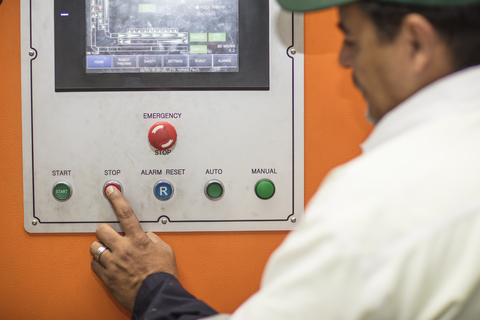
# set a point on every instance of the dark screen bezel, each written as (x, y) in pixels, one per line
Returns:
(70, 57)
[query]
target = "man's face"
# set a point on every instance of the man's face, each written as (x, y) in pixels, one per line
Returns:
(377, 66)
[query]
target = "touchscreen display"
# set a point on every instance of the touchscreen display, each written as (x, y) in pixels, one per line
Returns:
(159, 36)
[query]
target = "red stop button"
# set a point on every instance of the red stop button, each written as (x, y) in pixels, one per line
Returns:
(113, 183)
(162, 135)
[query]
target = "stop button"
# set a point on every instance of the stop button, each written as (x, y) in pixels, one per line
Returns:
(162, 136)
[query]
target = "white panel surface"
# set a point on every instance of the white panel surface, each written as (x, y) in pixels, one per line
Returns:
(235, 133)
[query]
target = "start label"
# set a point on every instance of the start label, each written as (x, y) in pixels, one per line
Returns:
(61, 173)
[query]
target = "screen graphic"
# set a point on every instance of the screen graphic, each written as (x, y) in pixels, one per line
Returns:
(161, 36)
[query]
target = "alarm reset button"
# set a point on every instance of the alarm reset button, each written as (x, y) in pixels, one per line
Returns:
(162, 135)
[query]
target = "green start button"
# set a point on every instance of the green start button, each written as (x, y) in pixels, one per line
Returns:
(62, 191)
(265, 189)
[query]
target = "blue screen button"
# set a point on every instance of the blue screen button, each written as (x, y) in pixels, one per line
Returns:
(99, 62)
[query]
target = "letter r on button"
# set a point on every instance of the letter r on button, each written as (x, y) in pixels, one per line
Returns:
(163, 191)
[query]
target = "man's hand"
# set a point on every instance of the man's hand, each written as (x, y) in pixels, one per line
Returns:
(130, 258)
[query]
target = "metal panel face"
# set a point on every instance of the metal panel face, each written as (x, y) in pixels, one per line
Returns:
(231, 157)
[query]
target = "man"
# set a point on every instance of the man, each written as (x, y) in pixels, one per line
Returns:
(393, 234)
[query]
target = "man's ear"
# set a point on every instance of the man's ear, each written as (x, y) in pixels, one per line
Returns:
(421, 41)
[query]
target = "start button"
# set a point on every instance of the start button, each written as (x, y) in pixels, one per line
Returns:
(62, 191)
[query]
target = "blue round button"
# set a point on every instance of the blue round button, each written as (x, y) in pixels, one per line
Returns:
(163, 190)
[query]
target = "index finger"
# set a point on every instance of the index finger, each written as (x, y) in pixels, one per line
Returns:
(127, 217)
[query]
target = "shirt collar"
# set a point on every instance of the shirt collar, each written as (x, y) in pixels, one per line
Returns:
(455, 93)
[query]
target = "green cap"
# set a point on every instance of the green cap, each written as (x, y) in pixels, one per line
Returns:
(310, 5)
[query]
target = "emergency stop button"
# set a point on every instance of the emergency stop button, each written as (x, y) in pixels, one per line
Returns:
(162, 135)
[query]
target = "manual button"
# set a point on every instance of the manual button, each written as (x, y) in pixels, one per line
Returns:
(265, 189)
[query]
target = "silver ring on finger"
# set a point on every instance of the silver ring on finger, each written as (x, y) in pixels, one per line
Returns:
(99, 252)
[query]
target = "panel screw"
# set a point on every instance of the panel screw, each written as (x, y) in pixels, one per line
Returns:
(293, 219)
(293, 51)
(34, 222)
(31, 53)
(164, 220)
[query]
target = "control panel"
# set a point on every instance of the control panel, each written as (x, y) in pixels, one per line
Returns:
(193, 109)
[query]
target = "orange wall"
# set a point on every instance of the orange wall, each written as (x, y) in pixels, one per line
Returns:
(48, 276)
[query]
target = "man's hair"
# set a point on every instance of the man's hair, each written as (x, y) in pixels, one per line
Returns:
(458, 26)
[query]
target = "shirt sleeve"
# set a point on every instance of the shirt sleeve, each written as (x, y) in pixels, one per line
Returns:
(162, 297)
